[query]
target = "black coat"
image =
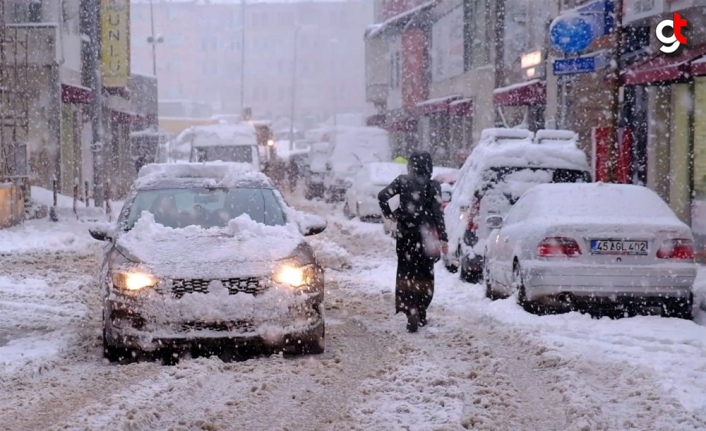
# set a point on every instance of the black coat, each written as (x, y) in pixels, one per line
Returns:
(420, 205)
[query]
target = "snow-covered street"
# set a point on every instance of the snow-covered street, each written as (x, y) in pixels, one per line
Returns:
(478, 365)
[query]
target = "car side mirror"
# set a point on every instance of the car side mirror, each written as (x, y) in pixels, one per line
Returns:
(101, 233)
(494, 222)
(310, 224)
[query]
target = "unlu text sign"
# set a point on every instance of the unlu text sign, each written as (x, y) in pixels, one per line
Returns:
(115, 42)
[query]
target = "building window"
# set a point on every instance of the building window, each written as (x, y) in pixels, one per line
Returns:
(35, 11)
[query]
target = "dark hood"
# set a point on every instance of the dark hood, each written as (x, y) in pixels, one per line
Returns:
(420, 165)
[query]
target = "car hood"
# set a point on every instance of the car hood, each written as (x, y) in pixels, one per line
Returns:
(243, 249)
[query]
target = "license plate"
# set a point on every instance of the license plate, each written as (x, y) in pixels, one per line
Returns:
(609, 246)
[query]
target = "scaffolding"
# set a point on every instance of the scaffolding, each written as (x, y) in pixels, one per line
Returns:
(14, 99)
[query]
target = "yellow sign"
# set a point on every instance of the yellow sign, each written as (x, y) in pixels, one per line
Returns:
(115, 42)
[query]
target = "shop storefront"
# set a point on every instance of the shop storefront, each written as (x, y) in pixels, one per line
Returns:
(435, 131)
(529, 100)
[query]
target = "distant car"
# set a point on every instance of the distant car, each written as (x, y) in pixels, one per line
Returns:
(209, 257)
(361, 199)
(504, 164)
(573, 246)
(446, 176)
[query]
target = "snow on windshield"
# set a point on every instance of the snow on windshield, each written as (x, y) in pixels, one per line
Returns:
(206, 208)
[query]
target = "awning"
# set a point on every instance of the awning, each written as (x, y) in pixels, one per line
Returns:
(439, 104)
(661, 68)
(406, 125)
(125, 117)
(400, 21)
(75, 94)
(377, 120)
(461, 108)
(532, 92)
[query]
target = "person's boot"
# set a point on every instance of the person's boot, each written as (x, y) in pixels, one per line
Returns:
(422, 317)
(412, 321)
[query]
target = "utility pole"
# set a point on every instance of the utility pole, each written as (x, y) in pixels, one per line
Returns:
(499, 48)
(615, 86)
(242, 55)
(334, 45)
(96, 85)
(294, 87)
(154, 40)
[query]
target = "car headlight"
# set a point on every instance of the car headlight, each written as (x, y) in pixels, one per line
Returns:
(133, 280)
(295, 276)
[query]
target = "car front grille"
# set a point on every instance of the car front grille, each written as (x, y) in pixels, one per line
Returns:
(229, 326)
(249, 285)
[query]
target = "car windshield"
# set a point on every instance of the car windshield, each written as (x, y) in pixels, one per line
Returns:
(512, 183)
(233, 153)
(207, 208)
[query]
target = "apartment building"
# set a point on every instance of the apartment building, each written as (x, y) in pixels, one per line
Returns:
(200, 58)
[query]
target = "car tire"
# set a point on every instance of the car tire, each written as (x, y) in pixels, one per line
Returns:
(489, 291)
(347, 211)
(312, 346)
(473, 277)
(527, 305)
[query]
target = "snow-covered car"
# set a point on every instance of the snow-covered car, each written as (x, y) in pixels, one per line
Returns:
(504, 164)
(351, 149)
(318, 155)
(446, 176)
(362, 197)
(223, 142)
(210, 256)
(574, 246)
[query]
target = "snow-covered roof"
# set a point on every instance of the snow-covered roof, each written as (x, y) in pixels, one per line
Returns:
(516, 86)
(242, 134)
(517, 148)
(400, 17)
(461, 102)
(439, 100)
(221, 174)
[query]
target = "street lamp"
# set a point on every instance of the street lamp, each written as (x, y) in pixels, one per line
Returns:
(294, 86)
(154, 40)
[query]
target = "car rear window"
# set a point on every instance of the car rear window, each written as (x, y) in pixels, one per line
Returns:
(177, 208)
(512, 182)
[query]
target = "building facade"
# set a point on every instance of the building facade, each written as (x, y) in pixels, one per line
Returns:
(203, 61)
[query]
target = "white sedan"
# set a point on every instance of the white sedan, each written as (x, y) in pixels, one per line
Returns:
(610, 247)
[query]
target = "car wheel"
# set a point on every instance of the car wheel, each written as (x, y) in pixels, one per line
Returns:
(313, 346)
(347, 211)
(489, 291)
(470, 276)
(519, 285)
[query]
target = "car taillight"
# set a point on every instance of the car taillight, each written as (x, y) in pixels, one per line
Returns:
(558, 247)
(472, 214)
(676, 249)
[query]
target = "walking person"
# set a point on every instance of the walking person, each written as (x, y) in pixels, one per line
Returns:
(421, 236)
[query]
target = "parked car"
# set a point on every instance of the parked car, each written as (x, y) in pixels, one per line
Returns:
(504, 164)
(209, 256)
(316, 172)
(362, 197)
(224, 142)
(351, 149)
(607, 246)
(446, 176)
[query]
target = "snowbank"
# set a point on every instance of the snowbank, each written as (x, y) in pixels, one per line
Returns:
(329, 254)
(45, 235)
(45, 197)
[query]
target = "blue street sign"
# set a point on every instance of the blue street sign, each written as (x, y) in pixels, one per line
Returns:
(572, 66)
(571, 33)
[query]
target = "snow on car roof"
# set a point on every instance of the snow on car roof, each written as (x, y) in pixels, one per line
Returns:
(600, 201)
(220, 134)
(513, 150)
(214, 174)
